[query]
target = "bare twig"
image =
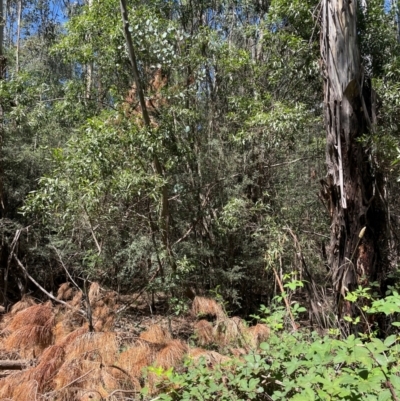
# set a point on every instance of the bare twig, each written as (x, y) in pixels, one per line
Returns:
(65, 268)
(73, 381)
(13, 245)
(289, 162)
(14, 365)
(285, 300)
(23, 268)
(122, 391)
(88, 307)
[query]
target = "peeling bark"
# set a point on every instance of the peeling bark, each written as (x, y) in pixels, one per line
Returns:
(354, 187)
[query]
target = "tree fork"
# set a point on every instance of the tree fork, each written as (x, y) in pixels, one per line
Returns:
(354, 187)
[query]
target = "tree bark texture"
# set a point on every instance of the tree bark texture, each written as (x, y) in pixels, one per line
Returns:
(354, 188)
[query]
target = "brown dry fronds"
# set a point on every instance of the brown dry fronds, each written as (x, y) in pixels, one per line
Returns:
(109, 323)
(210, 357)
(204, 332)
(30, 338)
(228, 331)
(258, 334)
(101, 311)
(134, 359)
(70, 372)
(237, 352)
(65, 292)
(61, 329)
(86, 376)
(206, 306)
(72, 336)
(94, 292)
(171, 355)
(76, 300)
(50, 361)
(36, 315)
(25, 302)
(101, 347)
(156, 334)
(25, 391)
(6, 389)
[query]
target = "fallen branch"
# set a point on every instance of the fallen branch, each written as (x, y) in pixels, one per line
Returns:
(44, 291)
(14, 365)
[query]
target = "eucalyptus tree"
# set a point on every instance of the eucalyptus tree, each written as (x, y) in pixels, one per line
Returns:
(355, 187)
(233, 121)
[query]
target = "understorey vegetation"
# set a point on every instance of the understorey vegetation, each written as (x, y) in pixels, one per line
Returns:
(199, 200)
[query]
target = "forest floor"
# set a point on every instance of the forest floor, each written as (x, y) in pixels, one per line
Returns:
(48, 352)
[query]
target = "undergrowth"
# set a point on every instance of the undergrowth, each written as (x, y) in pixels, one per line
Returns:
(236, 363)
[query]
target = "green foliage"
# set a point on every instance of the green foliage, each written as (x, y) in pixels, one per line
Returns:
(296, 366)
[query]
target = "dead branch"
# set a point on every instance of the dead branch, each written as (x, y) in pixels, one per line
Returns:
(14, 364)
(52, 297)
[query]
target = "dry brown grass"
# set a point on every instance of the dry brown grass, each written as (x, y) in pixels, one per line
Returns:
(210, 357)
(206, 306)
(135, 359)
(65, 292)
(257, 334)
(8, 384)
(36, 315)
(171, 355)
(156, 334)
(49, 363)
(101, 347)
(76, 300)
(204, 332)
(81, 365)
(25, 302)
(26, 391)
(72, 336)
(94, 292)
(77, 378)
(31, 330)
(70, 371)
(229, 331)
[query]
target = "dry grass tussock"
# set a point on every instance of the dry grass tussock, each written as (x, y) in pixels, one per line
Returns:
(49, 363)
(211, 358)
(65, 292)
(101, 347)
(31, 330)
(74, 364)
(25, 391)
(25, 302)
(171, 355)
(204, 332)
(36, 315)
(202, 306)
(156, 334)
(77, 377)
(229, 331)
(135, 359)
(257, 334)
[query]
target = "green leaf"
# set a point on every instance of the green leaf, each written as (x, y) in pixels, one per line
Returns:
(390, 340)
(384, 395)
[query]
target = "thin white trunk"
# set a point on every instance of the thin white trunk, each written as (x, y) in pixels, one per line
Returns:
(89, 66)
(19, 13)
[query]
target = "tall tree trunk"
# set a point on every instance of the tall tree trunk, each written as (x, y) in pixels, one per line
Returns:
(164, 226)
(3, 62)
(89, 65)
(19, 14)
(354, 188)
